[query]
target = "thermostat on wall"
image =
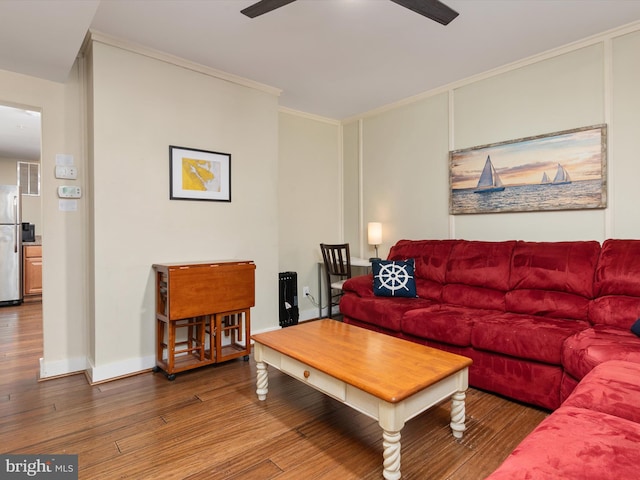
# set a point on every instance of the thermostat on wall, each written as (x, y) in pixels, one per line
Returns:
(69, 172)
(69, 192)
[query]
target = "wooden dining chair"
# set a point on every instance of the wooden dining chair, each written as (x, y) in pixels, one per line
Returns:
(337, 268)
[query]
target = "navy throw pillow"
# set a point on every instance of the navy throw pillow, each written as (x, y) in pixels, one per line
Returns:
(394, 278)
(635, 328)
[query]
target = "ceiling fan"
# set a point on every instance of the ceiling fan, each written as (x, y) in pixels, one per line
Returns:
(432, 9)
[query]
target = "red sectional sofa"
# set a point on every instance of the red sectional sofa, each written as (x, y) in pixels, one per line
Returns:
(594, 434)
(535, 317)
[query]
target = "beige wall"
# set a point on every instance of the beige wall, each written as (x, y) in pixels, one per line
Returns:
(8, 171)
(140, 106)
(405, 146)
(309, 198)
(410, 202)
(624, 169)
(352, 189)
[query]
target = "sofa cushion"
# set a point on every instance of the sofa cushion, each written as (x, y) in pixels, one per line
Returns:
(442, 323)
(554, 279)
(431, 256)
(618, 267)
(575, 444)
(524, 336)
(481, 264)
(473, 297)
(383, 312)
(361, 285)
(428, 289)
(555, 266)
(595, 345)
(614, 310)
(547, 303)
(394, 278)
(617, 284)
(612, 387)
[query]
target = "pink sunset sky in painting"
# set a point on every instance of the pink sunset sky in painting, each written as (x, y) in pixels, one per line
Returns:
(525, 161)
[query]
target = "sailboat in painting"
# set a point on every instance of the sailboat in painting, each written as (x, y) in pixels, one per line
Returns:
(545, 179)
(562, 176)
(489, 179)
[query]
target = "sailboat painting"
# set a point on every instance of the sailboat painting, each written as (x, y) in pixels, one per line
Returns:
(512, 176)
(545, 179)
(489, 179)
(562, 176)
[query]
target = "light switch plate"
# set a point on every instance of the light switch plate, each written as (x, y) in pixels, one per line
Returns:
(65, 191)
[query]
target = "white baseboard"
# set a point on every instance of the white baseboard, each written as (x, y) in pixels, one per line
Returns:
(62, 367)
(119, 369)
(130, 366)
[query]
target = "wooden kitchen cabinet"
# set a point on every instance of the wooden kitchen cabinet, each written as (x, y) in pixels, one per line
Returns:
(202, 313)
(32, 271)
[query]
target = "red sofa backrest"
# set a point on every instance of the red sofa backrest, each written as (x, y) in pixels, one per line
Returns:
(478, 274)
(431, 257)
(617, 284)
(554, 279)
(574, 280)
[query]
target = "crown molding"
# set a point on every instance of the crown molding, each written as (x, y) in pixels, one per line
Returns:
(602, 37)
(96, 36)
(310, 116)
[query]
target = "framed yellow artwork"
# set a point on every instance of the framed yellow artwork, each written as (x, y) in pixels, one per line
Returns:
(199, 174)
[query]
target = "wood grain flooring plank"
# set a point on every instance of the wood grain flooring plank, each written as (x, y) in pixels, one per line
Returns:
(208, 423)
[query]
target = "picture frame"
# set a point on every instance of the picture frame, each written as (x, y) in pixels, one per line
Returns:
(196, 174)
(563, 170)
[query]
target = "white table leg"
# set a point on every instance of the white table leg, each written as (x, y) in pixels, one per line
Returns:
(390, 418)
(262, 381)
(457, 414)
(391, 455)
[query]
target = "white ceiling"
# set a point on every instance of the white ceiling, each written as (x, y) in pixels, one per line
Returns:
(333, 58)
(19, 133)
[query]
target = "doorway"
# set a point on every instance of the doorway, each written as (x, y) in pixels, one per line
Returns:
(20, 162)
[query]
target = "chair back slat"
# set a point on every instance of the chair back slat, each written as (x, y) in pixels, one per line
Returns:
(337, 265)
(337, 259)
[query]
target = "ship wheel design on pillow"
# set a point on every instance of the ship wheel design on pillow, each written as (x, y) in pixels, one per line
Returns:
(394, 278)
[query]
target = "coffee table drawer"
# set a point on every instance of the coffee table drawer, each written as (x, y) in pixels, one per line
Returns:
(323, 382)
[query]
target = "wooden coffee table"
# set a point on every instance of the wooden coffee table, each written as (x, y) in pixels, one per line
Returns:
(386, 378)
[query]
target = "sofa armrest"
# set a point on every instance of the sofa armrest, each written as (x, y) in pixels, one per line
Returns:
(361, 285)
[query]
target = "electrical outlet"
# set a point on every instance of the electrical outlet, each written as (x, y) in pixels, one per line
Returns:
(306, 291)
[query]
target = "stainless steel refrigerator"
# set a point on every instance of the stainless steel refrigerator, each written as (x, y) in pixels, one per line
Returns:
(10, 246)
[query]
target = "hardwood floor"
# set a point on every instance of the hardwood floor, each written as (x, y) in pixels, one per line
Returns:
(209, 424)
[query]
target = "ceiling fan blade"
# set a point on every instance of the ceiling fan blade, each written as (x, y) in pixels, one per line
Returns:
(264, 6)
(432, 9)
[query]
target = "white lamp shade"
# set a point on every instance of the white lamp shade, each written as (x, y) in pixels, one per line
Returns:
(374, 233)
